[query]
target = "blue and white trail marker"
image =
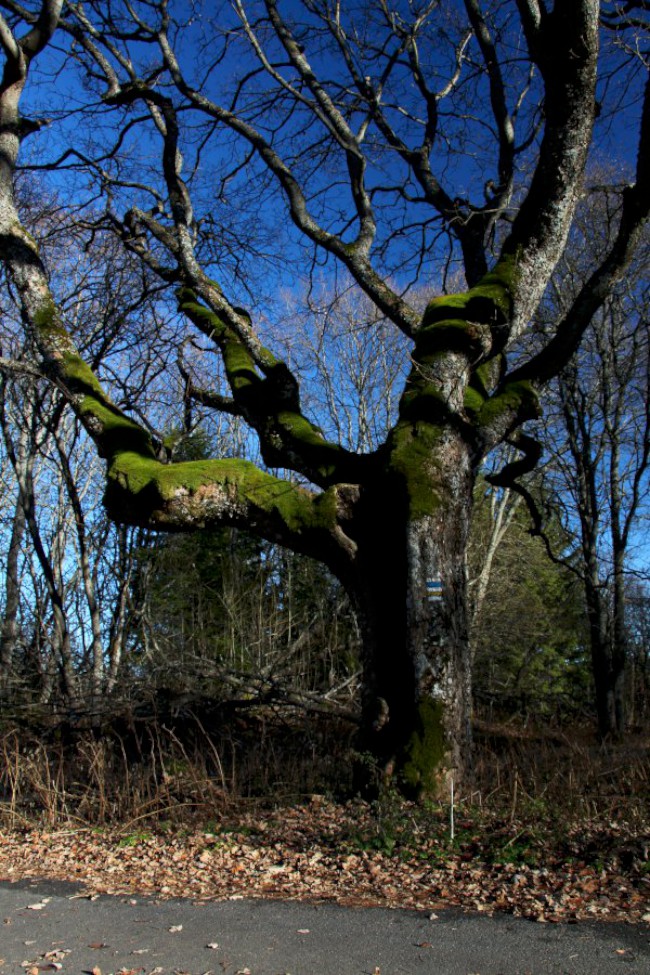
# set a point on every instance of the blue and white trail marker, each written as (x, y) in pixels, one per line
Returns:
(434, 588)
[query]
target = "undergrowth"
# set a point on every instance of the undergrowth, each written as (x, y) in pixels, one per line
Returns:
(536, 795)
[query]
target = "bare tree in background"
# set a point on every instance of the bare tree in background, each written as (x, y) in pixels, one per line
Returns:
(350, 360)
(68, 568)
(398, 138)
(597, 436)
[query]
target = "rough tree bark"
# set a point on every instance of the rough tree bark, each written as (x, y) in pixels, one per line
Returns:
(393, 524)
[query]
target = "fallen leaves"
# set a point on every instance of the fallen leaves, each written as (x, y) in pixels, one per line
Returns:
(327, 852)
(49, 961)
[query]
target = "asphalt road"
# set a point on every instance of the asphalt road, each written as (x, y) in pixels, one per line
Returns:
(144, 936)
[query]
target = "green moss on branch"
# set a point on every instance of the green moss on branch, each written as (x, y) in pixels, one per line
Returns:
(223, 490)
(269, 402)
(51, 336)
(463, 321)
(488, 301)
(481, 382)
(79, 376)
(473, 400)
(518, 400)
(114, 432)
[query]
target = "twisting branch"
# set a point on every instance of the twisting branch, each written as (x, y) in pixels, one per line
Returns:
(207, 397)
(635, 212)
(502, 117)
(509, 478)
(564, 45)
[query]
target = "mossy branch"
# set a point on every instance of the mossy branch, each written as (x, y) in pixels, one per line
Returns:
(269, 401)
(474, 321)
(188, 495)
(192, 495)
(110, 428)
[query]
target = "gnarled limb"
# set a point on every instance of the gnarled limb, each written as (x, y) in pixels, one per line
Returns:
(270, 403)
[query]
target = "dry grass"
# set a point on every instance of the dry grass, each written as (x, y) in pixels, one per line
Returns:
(154, 773)
(567, 772)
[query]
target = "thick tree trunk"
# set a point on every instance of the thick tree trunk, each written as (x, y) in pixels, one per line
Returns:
(609, 685)
(412, 605)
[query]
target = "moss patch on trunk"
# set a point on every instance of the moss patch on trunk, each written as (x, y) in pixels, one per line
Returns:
(425, 752)
(413, 460)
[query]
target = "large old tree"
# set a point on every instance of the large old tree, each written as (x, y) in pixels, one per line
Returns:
(405, 140)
